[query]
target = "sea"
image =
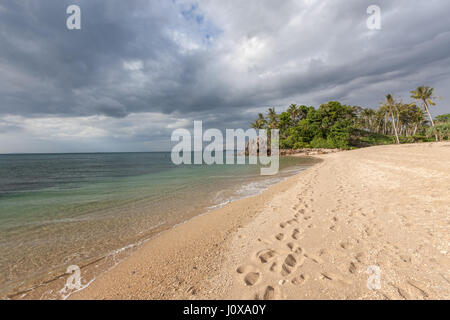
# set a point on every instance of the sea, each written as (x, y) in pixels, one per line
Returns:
(58, 210)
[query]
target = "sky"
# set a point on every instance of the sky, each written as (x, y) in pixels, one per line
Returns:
(137, 70)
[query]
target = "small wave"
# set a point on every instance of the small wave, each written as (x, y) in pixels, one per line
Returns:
(251, 189)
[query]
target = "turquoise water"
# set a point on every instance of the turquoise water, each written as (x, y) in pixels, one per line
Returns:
(63, 209)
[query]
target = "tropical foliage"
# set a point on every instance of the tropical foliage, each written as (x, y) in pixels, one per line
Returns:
(334, 125)
(424, 95)
(441, 128)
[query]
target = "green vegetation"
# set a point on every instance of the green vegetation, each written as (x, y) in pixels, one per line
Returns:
(334, 125)
(424, 95)
(441, 127)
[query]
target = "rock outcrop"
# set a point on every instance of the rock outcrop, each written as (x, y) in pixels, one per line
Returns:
(308, 152)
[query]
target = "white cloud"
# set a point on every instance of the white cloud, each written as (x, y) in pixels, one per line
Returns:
(133, 65)
(185, 43)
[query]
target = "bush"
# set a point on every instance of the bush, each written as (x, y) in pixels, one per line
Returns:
(442, 130)
(363, 138)
(320, 142)
(301, 145)
(339, 135)
(421, 138)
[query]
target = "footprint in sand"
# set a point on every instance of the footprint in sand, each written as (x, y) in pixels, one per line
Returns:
(242, 269)
(345, 245)
(296, 234)
(251, 278)
(292, 262)
(251, 275)
(361, 257)
(334, 228)
(270, 293)
(266, 256)
(274, 267)
(286, 269)
(279, 236)
(192, 291)
(300, 279)
(352, 268)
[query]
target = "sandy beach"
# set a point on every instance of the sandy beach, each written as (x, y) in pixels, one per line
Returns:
(313, 236)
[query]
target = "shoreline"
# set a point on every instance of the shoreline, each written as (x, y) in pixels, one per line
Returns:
(50, 287)
(225, 220)
(311, 236)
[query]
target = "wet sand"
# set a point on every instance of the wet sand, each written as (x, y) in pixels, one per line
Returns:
(321, 234)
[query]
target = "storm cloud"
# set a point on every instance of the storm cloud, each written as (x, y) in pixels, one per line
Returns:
(139, 69)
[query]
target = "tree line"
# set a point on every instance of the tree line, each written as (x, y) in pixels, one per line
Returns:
(334, 125)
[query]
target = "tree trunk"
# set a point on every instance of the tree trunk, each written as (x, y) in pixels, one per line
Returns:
(395, 127)
(431, 119)
(385, 123)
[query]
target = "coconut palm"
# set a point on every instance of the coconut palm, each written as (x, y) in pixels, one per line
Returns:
(272, 118)
(424, 94)
(259, 123)
(302, 112)
(410, 118)
(380, 118)
(368, 118)
(391, 105)
(294, 112)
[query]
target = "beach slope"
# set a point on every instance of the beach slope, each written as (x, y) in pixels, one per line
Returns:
(366, 224)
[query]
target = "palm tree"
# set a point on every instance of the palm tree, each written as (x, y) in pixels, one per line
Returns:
(368, 116)
(390, 103)
(410, 118)
(294, 112)
(418, 118)
(380, 118)
(302, 112)
(259, 123)
(425, 95)
(273, 118)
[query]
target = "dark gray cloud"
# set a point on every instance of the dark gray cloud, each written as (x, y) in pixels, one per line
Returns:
(219, 61)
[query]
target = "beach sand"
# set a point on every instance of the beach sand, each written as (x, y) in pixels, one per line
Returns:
(322, 234)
